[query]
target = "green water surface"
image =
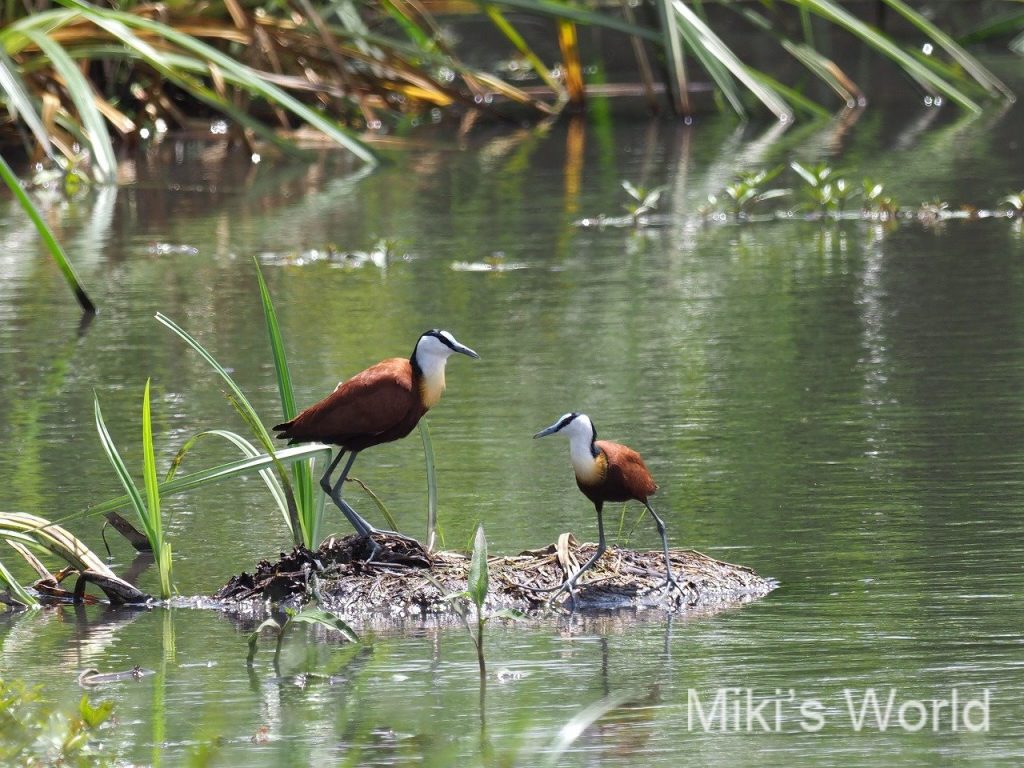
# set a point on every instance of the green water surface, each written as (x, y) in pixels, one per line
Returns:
(839, 406)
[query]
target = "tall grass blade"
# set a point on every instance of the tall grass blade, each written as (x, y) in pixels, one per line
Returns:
(303, 481)
(318, 616)
(834, 13)
(215, 474)
(428, 460)
(134, 496)
(519, 43)
(971, 65)
(19, 103)
(704, 37)
(84, 99)
(378, 502)
(247, 449)
(819, 65)
(161, 549)
(17, 591)
(675, 60)
(55, 249)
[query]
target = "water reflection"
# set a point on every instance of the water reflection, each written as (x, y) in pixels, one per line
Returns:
(837, 405)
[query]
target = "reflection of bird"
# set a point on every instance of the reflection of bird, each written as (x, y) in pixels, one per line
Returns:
(606, 471)
(378, 405)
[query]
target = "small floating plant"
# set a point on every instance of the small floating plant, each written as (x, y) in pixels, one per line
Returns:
(820, 194)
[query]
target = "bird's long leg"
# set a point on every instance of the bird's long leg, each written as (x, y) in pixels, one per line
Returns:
(362, 527)
(669, 578)
(325, 480)
(571, 581)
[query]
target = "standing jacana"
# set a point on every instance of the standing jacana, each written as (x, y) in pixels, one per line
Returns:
(606, 471)
(378, 405)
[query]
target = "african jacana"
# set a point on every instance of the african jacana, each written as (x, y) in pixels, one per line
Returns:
(378, 405)
(606, 471)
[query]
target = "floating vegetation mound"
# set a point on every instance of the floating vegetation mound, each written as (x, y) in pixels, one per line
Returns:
(403, 580)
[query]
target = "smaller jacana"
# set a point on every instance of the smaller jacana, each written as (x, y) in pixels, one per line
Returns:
(606, 471)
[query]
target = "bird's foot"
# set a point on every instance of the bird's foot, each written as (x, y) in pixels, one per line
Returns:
(568, 586)
(670, 583)
(394, 547)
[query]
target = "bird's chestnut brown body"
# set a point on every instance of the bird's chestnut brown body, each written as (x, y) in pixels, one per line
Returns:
(619, 475)
(377, 405)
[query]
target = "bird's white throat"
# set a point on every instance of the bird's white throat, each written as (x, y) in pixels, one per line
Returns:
(581, 437)
(432, 357)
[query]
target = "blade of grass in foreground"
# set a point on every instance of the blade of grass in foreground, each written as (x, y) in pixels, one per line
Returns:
(18, 592)
(674, 58)
(161, 548)
(300, 470)
(84, 99)
(19, 102)
(214, 475)
(979, 72)
(150, 526)
(247, 449)
(300, 534)
(702, 36)
(831, 11)
(55, 249)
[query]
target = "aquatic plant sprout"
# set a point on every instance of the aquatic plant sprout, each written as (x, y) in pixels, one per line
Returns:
(148, 509)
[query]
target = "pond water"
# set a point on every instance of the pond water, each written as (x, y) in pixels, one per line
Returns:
(839, 406)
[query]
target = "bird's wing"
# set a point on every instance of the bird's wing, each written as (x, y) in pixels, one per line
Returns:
(626, 468)
(371, 402)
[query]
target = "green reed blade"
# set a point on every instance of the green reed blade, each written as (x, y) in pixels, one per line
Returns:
(247, 449)
(235, 390)
(971, 65)
(17, 591)
(161, 549)
(318, 616)
(512, 35)
(19, 103)
(117, 462)
(81, 94)
(214, 475)
(700, 35)
(55, 249)
(300, 470)
(381, 507)
(675, 58)
(834, 13)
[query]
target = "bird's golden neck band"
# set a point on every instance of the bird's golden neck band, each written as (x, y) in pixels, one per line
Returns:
(589, 468)
(432, 387)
